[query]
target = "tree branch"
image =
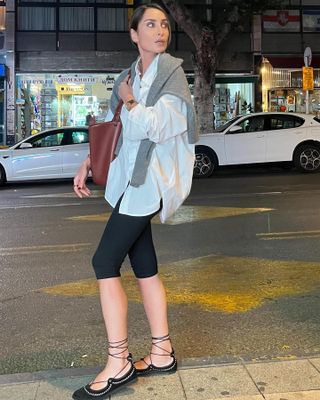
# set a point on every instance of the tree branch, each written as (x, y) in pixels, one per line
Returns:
(185, 20)
(225, 28)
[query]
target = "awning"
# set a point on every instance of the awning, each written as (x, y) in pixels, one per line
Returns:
(291, 62)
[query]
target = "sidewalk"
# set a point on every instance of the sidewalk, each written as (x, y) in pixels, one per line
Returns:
(297, 379)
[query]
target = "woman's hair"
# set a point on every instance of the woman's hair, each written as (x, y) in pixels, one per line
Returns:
(138, 14)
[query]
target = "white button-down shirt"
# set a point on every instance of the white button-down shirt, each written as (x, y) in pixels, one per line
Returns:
(169, 174)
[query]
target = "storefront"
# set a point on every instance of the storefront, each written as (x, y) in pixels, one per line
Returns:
(234, 95)
(282, 89)
(46, 100)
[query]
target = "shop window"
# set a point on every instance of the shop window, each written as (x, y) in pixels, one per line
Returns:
(36, 19)
(113, 19)
(285, 122)
(76, 18)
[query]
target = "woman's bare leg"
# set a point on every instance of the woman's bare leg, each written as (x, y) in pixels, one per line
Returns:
(114, 306)
(155, 305)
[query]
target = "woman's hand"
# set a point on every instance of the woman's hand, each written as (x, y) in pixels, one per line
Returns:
(79, 182)
(125, 90)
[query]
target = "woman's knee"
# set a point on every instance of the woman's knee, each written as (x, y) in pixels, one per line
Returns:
(105, 268)
(142, 273)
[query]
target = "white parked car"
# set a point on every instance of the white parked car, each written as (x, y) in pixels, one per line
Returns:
(51, 154)
(261, 138)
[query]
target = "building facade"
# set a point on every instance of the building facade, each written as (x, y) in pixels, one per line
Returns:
(61, 57)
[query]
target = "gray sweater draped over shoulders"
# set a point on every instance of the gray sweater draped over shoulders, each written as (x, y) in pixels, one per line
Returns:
(170, 79)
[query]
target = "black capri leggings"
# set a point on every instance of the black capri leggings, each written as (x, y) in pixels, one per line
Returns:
(125, 234)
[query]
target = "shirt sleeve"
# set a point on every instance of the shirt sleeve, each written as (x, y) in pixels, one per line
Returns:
(109, 116)
(166, 119)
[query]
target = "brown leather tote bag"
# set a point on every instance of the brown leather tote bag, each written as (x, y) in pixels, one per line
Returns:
(103, 139)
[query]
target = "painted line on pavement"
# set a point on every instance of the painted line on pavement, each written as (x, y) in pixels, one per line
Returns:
(288, 235)
(45, 205)
(59, 248)
(94, 194)
(185, 214)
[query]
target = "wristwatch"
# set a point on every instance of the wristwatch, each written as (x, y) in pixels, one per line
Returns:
(130, 103)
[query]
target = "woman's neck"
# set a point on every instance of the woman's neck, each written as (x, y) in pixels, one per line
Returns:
(145, 61)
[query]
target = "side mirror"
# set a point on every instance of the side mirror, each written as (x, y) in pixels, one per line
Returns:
(235, 129)
(25, 145)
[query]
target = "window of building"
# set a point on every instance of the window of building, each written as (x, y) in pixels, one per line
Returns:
(113, 19)
(76, 18)
(36, 18)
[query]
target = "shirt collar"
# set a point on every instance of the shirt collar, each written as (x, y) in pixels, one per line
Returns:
(150, 73)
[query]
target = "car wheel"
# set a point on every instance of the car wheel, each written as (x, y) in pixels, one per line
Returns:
(307, 158)
(205, 163)
(2, 175)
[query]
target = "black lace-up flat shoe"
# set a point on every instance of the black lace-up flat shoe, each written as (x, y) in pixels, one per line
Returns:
(153, 369)
(112, 384)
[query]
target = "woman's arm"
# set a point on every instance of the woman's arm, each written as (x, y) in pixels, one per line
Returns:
(167, 118)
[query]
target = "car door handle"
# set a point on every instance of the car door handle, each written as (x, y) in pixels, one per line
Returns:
(54, 149)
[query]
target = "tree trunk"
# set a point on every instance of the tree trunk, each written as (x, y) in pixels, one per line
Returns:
(204, 61)
(205, 64)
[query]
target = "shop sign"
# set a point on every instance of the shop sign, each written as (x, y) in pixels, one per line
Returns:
(47, 82)
(307, 78)
(71, 89)
(88, 80)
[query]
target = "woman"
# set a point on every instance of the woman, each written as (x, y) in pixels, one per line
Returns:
(152, 173)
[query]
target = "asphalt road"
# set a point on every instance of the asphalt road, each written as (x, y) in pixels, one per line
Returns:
(240, 261)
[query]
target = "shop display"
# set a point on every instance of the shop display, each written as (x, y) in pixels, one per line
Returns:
(48, 108)
(47, 101)
(282, 90)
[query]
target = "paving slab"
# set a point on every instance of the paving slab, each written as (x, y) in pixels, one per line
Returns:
(166, 387)
(307, 395)
(25, 391)
(216, 382)
(315, 362)
(60, 389)
(254, 397)
(285, 376)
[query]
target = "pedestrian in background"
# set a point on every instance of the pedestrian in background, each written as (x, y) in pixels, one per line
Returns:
(152, 174)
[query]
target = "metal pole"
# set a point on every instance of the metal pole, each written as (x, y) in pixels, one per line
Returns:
(307, 101)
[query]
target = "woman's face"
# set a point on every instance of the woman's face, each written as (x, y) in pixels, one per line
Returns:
(152, 34)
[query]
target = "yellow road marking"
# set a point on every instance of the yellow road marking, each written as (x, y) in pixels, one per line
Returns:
(71, 194)
(186, 214)
(60, 248)
(218, 283)
(288, 235)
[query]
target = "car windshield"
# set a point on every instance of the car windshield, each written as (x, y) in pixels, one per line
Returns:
(227, 124)
(317, 119)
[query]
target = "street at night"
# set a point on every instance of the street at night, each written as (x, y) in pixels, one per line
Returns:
(240, 261)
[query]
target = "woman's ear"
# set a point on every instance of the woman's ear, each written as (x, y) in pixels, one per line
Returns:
(134, 35)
